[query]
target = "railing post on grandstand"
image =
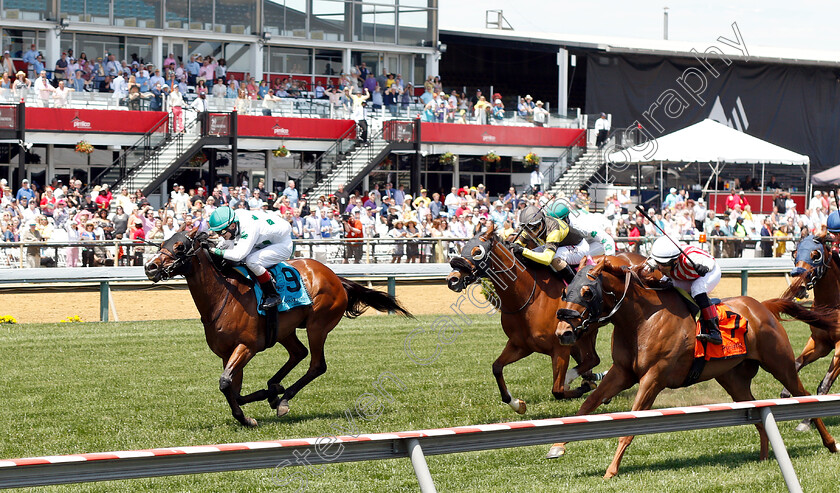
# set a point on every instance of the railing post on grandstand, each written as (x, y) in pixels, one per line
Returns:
(104, 294)
(421, 469)
(779, 449)
(744, 278)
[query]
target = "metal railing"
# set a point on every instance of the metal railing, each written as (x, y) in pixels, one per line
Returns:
(566, 160)
(278, 454)
(327, 161)
(135, 155)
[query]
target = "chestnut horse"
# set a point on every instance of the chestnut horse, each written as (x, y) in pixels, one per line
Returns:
(527, 300)
(654, 337)
(235, 331)
(817, 268)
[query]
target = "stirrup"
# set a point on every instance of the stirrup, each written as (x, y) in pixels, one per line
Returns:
(271, 302)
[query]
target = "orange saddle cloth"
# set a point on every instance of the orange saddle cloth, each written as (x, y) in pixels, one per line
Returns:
(733, 330)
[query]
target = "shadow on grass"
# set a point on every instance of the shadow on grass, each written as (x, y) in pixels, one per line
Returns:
(721, 460)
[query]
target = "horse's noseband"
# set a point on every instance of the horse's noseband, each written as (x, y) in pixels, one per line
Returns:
(819, 265)
(178, 259)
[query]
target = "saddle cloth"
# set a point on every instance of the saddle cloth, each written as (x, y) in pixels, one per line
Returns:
(289, 285)
(733, 330)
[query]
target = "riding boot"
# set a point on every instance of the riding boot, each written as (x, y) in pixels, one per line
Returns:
(709, 331)
(270, 297)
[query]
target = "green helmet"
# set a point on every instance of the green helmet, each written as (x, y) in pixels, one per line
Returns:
(221, 218)
(557, 209)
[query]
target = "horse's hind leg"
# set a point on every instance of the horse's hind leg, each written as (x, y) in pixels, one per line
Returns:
(736, 382)
(649, 388)
(813, 350)
(297, 352)
(317, 334)
(783, 369)
(230, 383)
(509, 355)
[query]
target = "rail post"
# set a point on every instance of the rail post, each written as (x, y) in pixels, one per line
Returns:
(421, 469)
(392, 289)
(104, 295)
(779, 449)
(744, 279)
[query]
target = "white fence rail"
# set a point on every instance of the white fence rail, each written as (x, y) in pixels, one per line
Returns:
(105, 466)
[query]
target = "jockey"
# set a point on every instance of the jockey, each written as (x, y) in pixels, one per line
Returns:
(599, 242)
(556, 241)
(693, 270)
(257, 238)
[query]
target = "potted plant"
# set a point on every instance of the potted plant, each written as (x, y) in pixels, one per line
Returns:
(447, 158)
(281, 151)
(84, 147)
(491, 157)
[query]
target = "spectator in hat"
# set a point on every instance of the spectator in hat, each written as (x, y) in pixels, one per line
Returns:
(498, 110)
(525, 108)
(29, 58)
(602, 126)
(540, 115)
(33, 252)
(25, 191)
(671, 199)
(8, 64)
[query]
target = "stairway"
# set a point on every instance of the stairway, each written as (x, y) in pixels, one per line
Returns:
(581, 172)
(354, 166)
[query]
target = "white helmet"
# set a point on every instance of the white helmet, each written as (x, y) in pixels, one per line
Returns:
(664, 250)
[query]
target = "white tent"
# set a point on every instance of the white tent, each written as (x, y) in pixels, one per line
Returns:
(709, 142)
(714, 143)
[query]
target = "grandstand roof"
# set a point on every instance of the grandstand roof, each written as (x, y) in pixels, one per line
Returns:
(766, 54)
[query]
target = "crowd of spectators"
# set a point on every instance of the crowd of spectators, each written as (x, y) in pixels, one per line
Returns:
(421, 227)
(141, 85)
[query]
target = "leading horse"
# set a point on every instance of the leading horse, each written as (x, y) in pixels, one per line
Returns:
(654, 340)
(817, 268)
(236, 332)
(527, 299)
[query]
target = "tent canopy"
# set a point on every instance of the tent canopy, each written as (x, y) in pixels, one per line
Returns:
(829, 177)
(710, 142)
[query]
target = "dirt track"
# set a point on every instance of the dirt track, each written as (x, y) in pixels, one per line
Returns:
(143, 303)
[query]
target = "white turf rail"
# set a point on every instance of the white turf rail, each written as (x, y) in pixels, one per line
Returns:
(102, 466)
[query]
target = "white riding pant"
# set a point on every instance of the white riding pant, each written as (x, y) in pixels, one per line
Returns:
(258, 260)
(573, 255)
(700, 285)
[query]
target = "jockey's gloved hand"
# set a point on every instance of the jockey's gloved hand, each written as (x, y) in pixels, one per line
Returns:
(517, 249)
(217, 251)
(666, 282)
(701, 269)
(204, 240)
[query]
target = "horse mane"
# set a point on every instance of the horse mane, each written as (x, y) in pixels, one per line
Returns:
(793, 289)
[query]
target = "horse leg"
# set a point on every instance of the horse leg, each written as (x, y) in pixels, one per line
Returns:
(297, 352)
(317, 335)
(616, 380)
(649, 387)
(230, 383)
(781, 367)
(825, 385)
(509, 355)
(813, 351)
(736, 382)
(559, 365)
(584, 353)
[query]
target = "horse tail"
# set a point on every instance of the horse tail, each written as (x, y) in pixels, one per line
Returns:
(359, 298)
(824, 318)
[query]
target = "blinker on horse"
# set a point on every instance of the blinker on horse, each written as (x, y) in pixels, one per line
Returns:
(236, 332)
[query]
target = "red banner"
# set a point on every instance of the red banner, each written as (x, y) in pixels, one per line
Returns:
(292, 128)
(500, 135)
(92, 121)
(759, 205)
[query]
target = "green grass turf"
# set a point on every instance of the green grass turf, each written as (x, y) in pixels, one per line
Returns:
(72, 388)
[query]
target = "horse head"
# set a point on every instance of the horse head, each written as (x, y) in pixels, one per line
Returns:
(583, 301)
(173, 258)
(811, 259)
(471, 265)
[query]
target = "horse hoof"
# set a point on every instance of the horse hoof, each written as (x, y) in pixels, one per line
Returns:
(274, 402)
(609, 475)
(522, 407)
(801, 427)
(250, 422)
(282, 410)
(785, 394)
(556, 450)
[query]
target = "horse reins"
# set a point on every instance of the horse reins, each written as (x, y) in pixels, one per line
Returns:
(623, 296)
(533, 288)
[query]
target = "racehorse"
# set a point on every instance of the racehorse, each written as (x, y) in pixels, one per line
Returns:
(527, 300)
(817, 268)
(654, 340)
(236, 332)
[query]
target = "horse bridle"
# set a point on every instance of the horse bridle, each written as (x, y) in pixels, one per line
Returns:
(818, 268)
(567, 314)
(510, 268)
(178, 260)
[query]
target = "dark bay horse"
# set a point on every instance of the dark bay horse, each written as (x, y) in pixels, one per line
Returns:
(528, 300)
(817, 268)
(654, 337)
(234, 330)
